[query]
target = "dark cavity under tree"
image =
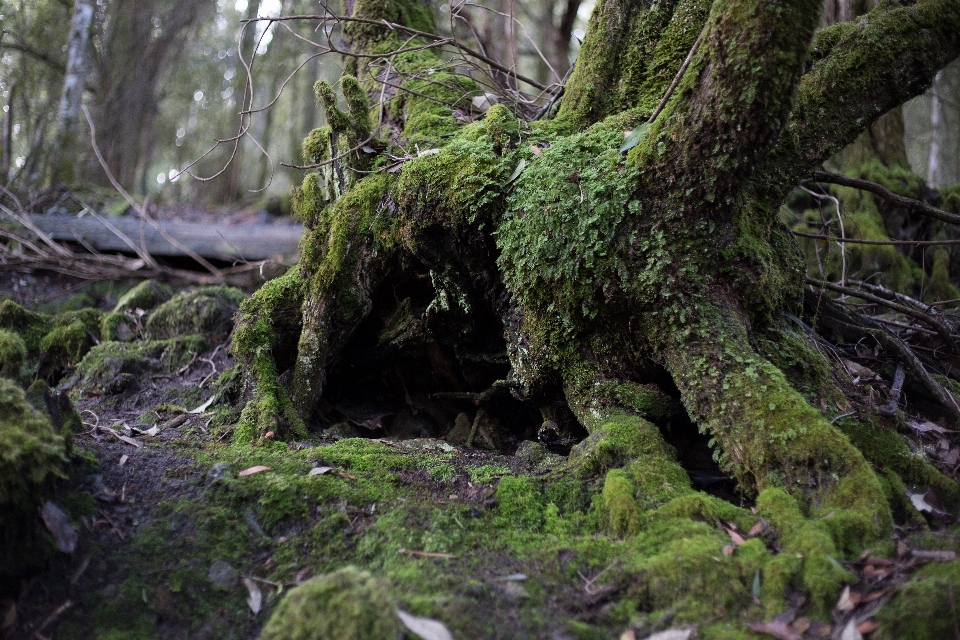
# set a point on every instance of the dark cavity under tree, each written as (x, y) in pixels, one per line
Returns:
(610, 279)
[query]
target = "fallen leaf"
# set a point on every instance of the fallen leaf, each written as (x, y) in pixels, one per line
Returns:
(868, 626)
(302, 575)
(774, 628)
(735, 537)
(635, 137)
(255, 597)
(123, 459)
(425, 628)
(58, 524)
(319, 471)
(801, 624)
(628, 635)
(346, 475)
(758, 528)
(204, 406)
(536, 150)
(516, 172)
(859, 371)
(870, 597)
(684, 633)
(845, 603)
(938, 556)
(484, 102)
(728, 550)
(252, 470)
(850, 632)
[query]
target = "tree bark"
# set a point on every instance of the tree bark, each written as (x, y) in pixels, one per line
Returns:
(74, 85)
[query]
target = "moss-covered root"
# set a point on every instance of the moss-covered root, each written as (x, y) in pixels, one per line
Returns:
(768, 435)
(641, 470)
(346, 605)
(32, 458)
(267, 327)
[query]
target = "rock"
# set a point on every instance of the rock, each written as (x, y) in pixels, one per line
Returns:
(531, 452)
(219, 471)
(207, 311)
(58, 524)
(461, 430)
(348, 604)
(223, 575)
(123, 383)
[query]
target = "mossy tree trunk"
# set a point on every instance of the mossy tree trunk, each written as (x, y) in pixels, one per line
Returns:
(609, 276)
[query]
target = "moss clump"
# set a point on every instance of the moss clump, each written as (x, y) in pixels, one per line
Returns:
(348, 604)
(119, 324)
(29, 325)
(105, 362)
(925, 607)
(73, 334)
(33, 457)
(13, 351)
(206, 311)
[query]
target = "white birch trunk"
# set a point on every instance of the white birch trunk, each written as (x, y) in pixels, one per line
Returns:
(937, 132)
(78, 65)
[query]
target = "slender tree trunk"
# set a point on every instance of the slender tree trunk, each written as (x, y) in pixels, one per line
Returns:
(74, 85)
(7, 150)
(937, 133)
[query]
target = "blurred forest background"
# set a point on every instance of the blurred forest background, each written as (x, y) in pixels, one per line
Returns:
(163, 80)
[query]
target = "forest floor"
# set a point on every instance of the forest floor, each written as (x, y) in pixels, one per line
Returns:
(185, 534)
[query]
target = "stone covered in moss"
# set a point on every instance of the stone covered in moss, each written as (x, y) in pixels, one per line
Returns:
(13, 352)
(925, 608)
(32, 327)
(72, 335)
(107, 361)
(207, 311)
(348, 604)
(32, 457)
(119, 324)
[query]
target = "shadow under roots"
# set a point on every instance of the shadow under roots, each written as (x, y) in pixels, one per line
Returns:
(694, 453)
(420, 370)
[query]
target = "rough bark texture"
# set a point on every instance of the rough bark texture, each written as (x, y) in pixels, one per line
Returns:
(615, 278)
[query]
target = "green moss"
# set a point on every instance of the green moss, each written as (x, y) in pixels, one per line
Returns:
(73, 334)
(268, 321)
(106, 361)
(147, 295)
(519, 503)
(348, 604)
(33, 458)
(621, 504)
(30, 326)
(924, 607)
(207, 311)
(13, 352)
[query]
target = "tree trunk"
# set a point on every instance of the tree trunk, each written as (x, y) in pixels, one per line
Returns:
(74, 85)
(616, 283)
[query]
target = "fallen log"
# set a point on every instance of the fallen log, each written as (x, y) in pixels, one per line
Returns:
(239, 242)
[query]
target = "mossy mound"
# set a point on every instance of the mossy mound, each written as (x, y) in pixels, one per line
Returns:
(925, 608)
(73, 334)
(32, 458)
(107, 361)
(348, 604)
(13, 352)
(207, 311)
(121, 323)
(32, 327)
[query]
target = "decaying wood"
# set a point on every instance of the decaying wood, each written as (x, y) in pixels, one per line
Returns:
(246, 242)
